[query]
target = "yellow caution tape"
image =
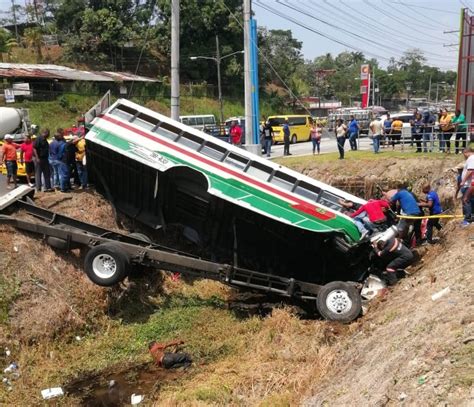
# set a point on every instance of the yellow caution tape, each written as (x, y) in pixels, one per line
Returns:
(430, 217)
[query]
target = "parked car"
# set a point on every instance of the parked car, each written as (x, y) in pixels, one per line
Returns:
(299, 127)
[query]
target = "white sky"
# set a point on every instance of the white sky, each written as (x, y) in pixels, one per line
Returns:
(379, 28)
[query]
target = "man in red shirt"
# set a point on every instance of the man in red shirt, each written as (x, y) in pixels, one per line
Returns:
(235, 134)
(370, 214)
(8, 156)
(26, 157)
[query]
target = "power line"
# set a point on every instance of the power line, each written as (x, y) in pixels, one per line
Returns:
(355, 35)
(302, 25)
(415, 19)
(426, 8)
(368, 27)
(152, 7)
(384, 27)
(267, 61)
(399, 21)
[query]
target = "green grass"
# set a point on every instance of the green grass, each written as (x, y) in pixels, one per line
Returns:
(365, 155)
(8, 292)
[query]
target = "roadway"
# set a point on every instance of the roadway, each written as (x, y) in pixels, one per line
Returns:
(328, 145)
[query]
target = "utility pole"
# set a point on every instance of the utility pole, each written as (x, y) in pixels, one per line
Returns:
(373, 88)
(429, 92)
(175, 59)
(247, 73)
(15, 22)
(219, 84)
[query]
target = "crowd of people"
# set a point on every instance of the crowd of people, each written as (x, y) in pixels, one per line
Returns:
(411, 210)
(49, 164)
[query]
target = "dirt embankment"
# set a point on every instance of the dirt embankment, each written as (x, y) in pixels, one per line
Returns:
(363, 177)
(410, 348)
(407, 348)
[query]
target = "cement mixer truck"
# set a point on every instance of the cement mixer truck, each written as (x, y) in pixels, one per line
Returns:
(16, 122)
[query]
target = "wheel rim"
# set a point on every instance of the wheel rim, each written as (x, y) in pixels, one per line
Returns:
(338, 301)
(104, 266)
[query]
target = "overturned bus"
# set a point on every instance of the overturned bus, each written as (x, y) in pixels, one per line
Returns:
(219, 202)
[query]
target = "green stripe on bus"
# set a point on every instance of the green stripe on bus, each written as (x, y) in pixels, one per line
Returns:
(240, 191)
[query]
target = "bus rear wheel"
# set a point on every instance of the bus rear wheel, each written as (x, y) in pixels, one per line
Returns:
(107, 264)
(339, 301)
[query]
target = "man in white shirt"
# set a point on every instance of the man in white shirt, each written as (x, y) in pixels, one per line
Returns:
(467, 179)
(376, 127)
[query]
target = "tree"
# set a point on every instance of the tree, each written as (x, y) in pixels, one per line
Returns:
(33, 37)
(7, 42)
(282, 52)
(201, 21)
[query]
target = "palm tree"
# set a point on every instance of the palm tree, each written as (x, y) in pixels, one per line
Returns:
(33, 38)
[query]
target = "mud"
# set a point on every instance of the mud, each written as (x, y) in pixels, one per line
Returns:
(111, 389)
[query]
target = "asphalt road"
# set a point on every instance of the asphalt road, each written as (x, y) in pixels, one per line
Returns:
(328, 145)
(3, 185)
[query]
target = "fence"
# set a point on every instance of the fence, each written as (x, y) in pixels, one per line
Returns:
(430, 141)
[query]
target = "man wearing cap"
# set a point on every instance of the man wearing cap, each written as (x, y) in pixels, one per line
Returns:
(8, 156)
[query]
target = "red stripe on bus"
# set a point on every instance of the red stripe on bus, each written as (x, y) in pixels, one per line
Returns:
(302, 206)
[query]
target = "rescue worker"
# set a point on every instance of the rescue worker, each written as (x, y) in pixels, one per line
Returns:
(433, 204)
(373, 214)
(409, 206)
(398, 255)
(169, 360)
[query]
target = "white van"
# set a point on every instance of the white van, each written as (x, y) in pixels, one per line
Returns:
(200, 121)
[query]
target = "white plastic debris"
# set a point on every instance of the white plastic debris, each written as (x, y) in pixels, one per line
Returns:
(439, 294)
(78, 338)
(136, 399)
(52, 393)
(10, 368)
(402, 396)
(373, 285)
(7, 352)
(15, 249)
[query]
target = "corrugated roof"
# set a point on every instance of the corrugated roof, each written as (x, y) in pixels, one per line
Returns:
(128, 77)
(48, 71)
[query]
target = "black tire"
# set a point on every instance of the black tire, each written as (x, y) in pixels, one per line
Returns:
(339, 301)
(294, 139)
(107, 264)
(140, 236)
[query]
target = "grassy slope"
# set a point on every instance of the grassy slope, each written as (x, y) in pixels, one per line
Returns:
(250, 361)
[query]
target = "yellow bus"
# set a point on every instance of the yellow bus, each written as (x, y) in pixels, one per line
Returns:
(299, 127)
